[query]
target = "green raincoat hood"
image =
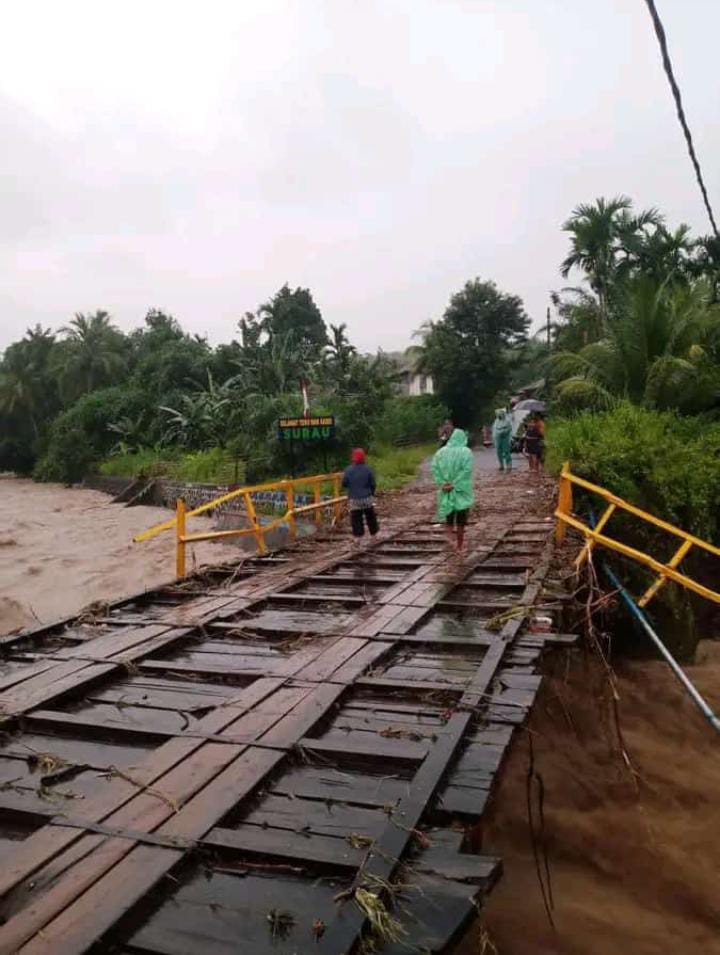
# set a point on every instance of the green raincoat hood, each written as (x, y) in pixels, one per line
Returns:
(453, 464)
(458, 439)
(502, 425)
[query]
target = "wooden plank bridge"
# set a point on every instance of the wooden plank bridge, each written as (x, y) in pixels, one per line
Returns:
(288, 755)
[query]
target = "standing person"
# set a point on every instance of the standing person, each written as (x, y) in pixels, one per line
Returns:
(359, 480)
(452, 470)
(534, 443)
(502, 438)
(444, 432)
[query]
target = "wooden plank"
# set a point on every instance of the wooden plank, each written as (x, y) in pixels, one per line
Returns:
(314, 817)
(51, 684)
(346, 927)
(331, 659)
(376, 622)
(45, 843)
(377, 747)
(282, 844)
(486, 639)
(372, 652)
(404, 621)
(464, 800)
(163, 694)
(328, 783)
(111, 644)
(108, 723)
(190, 922)
(76, 926)
(304, 716)
(414, 687)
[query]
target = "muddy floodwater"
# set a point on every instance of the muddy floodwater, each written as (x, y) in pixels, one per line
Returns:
(63, 548)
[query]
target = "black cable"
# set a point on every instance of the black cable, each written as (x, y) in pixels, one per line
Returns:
(667, 65)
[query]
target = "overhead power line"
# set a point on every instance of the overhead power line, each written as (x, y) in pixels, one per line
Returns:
(667, 65)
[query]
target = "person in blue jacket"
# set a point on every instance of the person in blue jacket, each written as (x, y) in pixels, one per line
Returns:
(359, 481)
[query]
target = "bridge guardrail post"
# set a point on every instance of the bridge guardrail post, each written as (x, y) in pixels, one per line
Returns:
(180, 538)
(565, 502)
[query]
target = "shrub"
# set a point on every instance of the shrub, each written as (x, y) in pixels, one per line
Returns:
(68, 458)
(664, 463)
(81, 436)
(407, 420)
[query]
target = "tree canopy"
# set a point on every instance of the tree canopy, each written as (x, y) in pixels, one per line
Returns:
(645, 324)
(468, 350)
(69, 399)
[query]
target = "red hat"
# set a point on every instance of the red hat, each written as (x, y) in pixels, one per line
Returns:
(358, 456)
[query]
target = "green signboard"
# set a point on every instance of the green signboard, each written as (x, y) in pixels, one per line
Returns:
(307, 429)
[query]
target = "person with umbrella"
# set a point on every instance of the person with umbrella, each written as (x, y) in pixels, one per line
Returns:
(533, 440)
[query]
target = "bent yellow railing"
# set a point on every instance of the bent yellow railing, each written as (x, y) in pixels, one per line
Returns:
(594, 536)
(257, 529)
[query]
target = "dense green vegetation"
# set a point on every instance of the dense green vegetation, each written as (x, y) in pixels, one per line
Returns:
(667, 463)
(645, 323)
(634, 363)
(161, 401)
(634, 348)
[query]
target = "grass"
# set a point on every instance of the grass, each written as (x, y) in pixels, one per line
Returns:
(396, 467)
(213, 466)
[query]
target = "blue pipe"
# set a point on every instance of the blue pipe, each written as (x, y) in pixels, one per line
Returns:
(642, 619)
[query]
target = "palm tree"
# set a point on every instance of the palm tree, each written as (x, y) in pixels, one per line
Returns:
(338, 352)
(24, 383)
(92, 355)
(663, 254)
(580, 321)
(603, 237)
(655, 352)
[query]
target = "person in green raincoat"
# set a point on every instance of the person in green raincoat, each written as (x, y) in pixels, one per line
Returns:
(502, 438)
(452, 471)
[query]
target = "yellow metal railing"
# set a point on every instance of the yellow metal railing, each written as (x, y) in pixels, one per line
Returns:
(257, 529)
(594, 536)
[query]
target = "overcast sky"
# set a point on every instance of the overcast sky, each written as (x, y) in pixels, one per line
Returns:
(195, 156)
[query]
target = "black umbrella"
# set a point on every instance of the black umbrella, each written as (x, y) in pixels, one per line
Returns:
(530, 404)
